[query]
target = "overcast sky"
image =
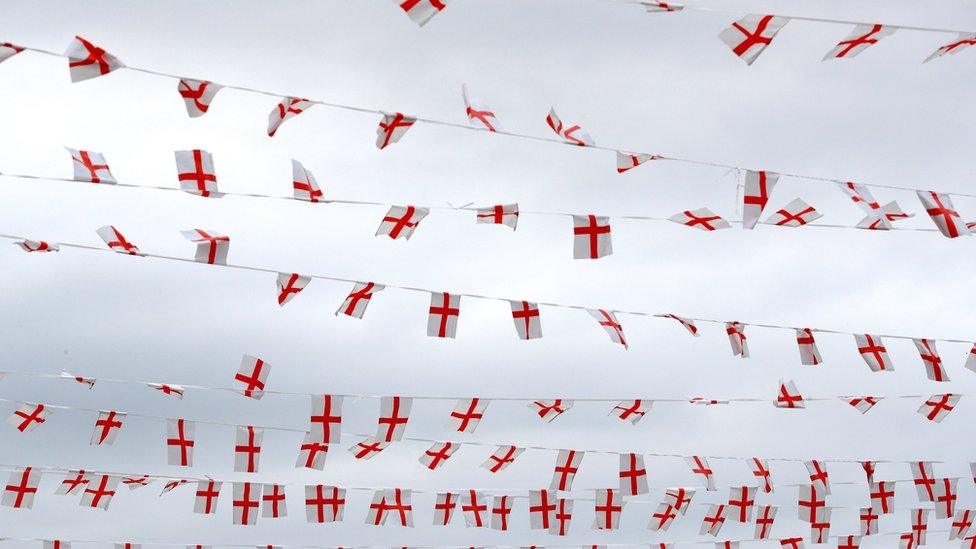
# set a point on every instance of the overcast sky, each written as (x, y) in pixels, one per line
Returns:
(648, 82)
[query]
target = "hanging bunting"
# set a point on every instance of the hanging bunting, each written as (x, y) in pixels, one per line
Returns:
(87, 61)
(479, 114)
(392, 128)
(749, 36)
(862, 37)
(197, 95)
(196, 174)
(288, 108)
(574, 135)
(90, 167)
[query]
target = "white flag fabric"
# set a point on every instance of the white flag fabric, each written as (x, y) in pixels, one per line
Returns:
(252, 376)
(74, 482)
(197, 95)
(247, 448)
(702, 219)
(37, 246)
(312, 452)
(475, 509)
(247, 500)
(325, 417)
(609, 504)
(21, 488)
(788, 395)
(180, 440)
(99, 492)
(116, 241)
(591, 237)
(929, 354)
(392, 128)
(394, 414)
(572, 134)
(528, 323)
(355, 303)
(499, 214)
(633, 475)
(757, 189)
(818, 475)
(212, 247)
(937, 407)
(502, 458)
(401, 221)
(288, 108)
(8, 50)
(196, 174)
(627, 161)
(661, 7)
(438, 453)
(564, 472)
(963, 41)
(28, 417)
(807, 345)
(795, 214)
(943, 213)
(324, 503)
(207, 494)
(748, 37)
(87, 61)
(875, 354)
(632, 410)
(699, 466)
(289, 285)
(860, 39)
(737, 338)
(273, 503)
(548, 410)
(90, 167)
(608, 319)
(107, 428)
(541, 507)
(304, 184)
(479, 114)
(421, 11)
(467, 414)
(443, 314)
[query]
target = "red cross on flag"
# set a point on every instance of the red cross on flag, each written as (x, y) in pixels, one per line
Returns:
(528, 323)
(196, 174)
(205, 499)
(931, 359)
(702, 218)
(28, 417)
(749, 36)
(963, 41)
(394, 414)
(562, 516)
(795, 214)
(862, 37)
(501, 458)
(632, 410)
(868, 521)
(288, 108)
(807, 345)
(662, 518)
(273, 504)
(574, 135)
(197, 94)
(88, 382)
(567, 464)
(882, 497)
(549, 410)
(421, 11)
(37, 246)
(116, 241)
(943, 213)
(920, 520)
(325, 418)
(742, 502)
(702, 401)
(945, 497)
(500, 510)
(87, 61)
(591, 237)
(661, 7)
(633, 475)
(679, 498)
(355, 303)
(607, 509)
(608, 319)
(713, 521)
(247, 499)
(686, 322)
(699, 466)
(170, 390)
(862, 404)
(324, 503)
(475, 509)
(304, 184)
(499, 214)
(90, 167)
(180, 442)
(107, 427)
(437, 454)
(788, 395)
(395, 501)
(444, 507)
(212, 246)
(467, 414)
(737, 338)
(173, 484)
(392, 128)
(541, 507)
(21, 488)
(252, 376)
(312, 452)
(818, 475)
(795, 542)
(937, 407)
(55, 544)
(875, 354)
(868, 467)
(443, 314)
(74, 481)
(401, 221)
(758, 187)
(367, 448)
(8, 50)
(961, 524)
(479, 114)
(99, 492)
(923, 479)
(849, 542)
(760, 470)
(136, 482)
(880, 219)
(627, 161)
(289, 285)
(247, 448)
(971, 359)
(811, 504)
(765, 518)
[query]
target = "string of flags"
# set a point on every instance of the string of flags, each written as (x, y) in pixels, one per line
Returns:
(445, 307)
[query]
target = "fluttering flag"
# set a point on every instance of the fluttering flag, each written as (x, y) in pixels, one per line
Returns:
(212, 246)
(818, 475)
(917, 537)
(702, 401)
(562, 516)
(442, 315)
(475, 509)
(541, 507)
(937, 407)
(528, 323)
(633, 475)
(963, 41)
(479, 114)
(99, 492)
(971, 359)
(107, 428)
(714, 520)
(273, 504)
(421, 11)
(8, 50)
(943, 213)
(680, 498)
(197, 95)
(882, 497)
(87, 61)
(289, 285)
(90, 167)
(931, 359)
(205, 499)
(37, 246)
(499, 214)
(661, 7)
(437, 454)
(74, 481)
(811, 503)
(699, 466)
(788, 395)
(945, 497)
(136, 482)
(923, 479)
(501, 508)
(324, 503)
(567, 464)
(180, 441)
(757, 189)
(749, 36)
(742, 502)
(627, 161)
(795, 214)
(392, 128)
(247, 499)
(355, 303)
(247, 448)
(116, 242)
(765, 517)
(869, 521)
(862, 404)
(737, 338)
(170, 390)
(391, 501)
(662, 518)
(632, 410)
(875, 354)
(288, 108)
(196, 174)
(591, 237)
(312, 452)
(548, 410)
(401, 221)
(862, 37)
(304, 184)
(467, 414)
(28, 417)
(807, 345)
(609, 504)
(702, 218)
(608, 319)
(686, 322)
(794, 542)
(88, 382)
(760, 470)
(574, 135)
(501, 458)
(325, 418)
(394, 414)
(878, 217)
(21, 488)
(962, 521)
